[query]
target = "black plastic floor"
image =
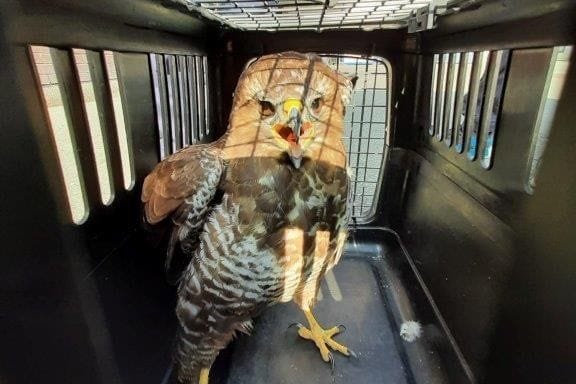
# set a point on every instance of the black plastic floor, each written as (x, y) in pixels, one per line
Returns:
(275, 353)
(371, 291)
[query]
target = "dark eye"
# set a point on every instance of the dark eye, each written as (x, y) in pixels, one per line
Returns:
(266, 108)
(316, 104)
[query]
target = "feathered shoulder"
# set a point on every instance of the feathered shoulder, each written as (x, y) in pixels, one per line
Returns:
(190, 175)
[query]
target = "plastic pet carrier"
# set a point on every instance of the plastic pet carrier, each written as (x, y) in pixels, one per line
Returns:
(460, 263)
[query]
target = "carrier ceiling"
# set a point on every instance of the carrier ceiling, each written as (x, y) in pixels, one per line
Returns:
(277, 15)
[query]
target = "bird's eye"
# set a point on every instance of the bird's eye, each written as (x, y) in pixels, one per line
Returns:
(266, 108)
(316, 105)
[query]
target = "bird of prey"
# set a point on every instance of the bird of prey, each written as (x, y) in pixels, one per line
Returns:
(260, 215)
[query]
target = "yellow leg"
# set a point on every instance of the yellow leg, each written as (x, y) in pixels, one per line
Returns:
(204, 375)
(321, 337)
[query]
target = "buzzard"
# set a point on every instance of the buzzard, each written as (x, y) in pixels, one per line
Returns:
(260, 215)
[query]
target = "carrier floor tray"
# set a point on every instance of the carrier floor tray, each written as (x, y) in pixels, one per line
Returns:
(351, 295)
(372, 292)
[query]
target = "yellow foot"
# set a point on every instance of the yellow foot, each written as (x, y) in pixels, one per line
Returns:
(204, 375)
(323, 338)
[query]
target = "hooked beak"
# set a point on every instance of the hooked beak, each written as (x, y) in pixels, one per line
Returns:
(295, 122)
(293, 109)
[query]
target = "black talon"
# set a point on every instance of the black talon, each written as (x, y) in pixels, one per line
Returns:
(342, 328)
(332, 368)
(298, 325)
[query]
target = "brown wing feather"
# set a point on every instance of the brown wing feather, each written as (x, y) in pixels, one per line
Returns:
(178, 177)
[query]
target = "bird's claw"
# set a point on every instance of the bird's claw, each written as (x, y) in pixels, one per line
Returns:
(323, 338)
(351, 353)
(332, 362)
(297, 325)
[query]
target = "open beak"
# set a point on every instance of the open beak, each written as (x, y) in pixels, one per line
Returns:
(293, 109)
(295, 122)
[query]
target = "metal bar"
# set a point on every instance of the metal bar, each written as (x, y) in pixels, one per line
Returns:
(298, 13)
(373, 156)
(360, 141)
(266, 2)
(356, 171)
(326, 2)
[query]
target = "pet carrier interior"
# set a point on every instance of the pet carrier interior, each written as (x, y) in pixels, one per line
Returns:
(460, 266)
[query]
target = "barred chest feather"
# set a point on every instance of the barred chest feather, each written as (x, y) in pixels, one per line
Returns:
(276, 231)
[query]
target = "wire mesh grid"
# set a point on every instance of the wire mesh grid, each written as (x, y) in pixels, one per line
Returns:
(365, 125)
(308, 14)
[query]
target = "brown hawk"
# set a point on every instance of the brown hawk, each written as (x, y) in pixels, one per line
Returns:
(260, 214)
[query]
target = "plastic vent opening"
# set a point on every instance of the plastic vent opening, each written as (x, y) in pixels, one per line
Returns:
(467, 89)
(181, 100)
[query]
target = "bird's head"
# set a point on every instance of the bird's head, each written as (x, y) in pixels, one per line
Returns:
(289, 103)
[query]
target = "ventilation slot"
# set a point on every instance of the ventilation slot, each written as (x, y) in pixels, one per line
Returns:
(84, 111)
(205, 87)
(183, 96)
(465, 101)
(161, 103)
(201, 96)
(85, 69)
(433, 92)
(173, 102)
(120, 121)
(480, 68)
(555, 80)
(452, 81)
(463, 91)
(441, 96)
(181, 100)
(493, 101)
(192, 98)
(59, 121)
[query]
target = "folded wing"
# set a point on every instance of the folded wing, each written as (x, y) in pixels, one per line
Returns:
(182, 187)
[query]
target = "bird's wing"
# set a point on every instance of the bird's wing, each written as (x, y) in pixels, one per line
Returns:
(182, 187)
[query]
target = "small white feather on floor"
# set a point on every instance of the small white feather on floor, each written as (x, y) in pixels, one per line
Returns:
(410, 330)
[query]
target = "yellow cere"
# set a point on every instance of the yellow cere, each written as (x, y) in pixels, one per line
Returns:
(292, 103)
